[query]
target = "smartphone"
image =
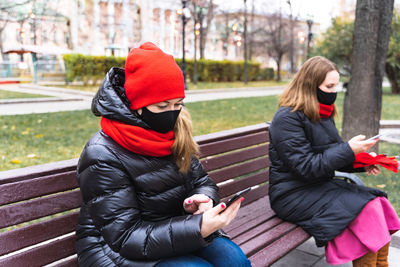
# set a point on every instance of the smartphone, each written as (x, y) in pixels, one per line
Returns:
(374, 137)
(237, 195)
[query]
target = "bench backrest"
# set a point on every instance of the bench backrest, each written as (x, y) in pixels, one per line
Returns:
(236, 159)
(38, 214)
(39, 205)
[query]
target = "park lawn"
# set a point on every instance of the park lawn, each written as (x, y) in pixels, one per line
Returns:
(191, 86)
(41, 138)
(5, 94)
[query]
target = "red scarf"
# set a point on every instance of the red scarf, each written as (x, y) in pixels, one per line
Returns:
(137, 139)
(364, 159)
(325, 111)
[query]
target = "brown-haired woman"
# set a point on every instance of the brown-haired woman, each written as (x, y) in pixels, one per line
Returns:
(146, 199)
(305, 150)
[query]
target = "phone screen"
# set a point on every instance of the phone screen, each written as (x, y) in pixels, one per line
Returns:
(374, 137)
(237, 195)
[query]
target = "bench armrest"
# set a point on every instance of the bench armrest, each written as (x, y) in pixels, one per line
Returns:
(349, 177)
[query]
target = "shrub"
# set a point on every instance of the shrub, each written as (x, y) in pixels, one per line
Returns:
(93, 68)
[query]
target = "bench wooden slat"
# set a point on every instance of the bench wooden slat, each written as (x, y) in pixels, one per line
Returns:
(263, 239)
(252, 232)
(250, 216)
(41, 255)
(218, 162)
(279, 248)
(33, 234)
(224, 146)
(242, 183)
(40, 207)
(255, 194)
(12, 176)
(73, 262)
(226, 134)
(23, 190)
(238, 170)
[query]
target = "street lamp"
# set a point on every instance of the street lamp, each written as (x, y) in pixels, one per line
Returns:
(185, 14)
(291, 51)
(310, 34)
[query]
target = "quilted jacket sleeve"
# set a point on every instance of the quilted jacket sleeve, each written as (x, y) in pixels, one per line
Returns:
(203, 183)
(294, 149)
(112, 204)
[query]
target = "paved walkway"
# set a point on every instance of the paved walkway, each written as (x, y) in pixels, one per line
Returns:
(66, 99)
(69, 99)
(309, 255)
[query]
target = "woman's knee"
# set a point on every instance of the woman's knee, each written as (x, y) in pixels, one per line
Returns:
(184, 261)
(224, 252)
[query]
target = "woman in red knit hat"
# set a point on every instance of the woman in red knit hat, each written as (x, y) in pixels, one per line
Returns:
(146, 199)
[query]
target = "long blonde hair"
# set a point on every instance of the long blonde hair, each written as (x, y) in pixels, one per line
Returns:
(301, 93)
(184, 147)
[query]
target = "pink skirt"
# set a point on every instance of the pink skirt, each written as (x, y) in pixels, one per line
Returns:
(370, 231)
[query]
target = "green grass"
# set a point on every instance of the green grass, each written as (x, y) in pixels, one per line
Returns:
(213, 116)
(40, 138)
(5, 94)
(191, 86)
(390, 110)
(387, 180)
(215, 85)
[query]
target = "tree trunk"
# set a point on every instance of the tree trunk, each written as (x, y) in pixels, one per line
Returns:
(204, 31)
(393, 74)
(363, 100)
(278, 69)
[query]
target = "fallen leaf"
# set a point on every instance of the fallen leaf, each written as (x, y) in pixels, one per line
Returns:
(380, 185)
(39, 135)
(15, 161)
(31, 156)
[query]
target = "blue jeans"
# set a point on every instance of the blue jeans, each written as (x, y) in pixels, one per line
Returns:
(221, 252)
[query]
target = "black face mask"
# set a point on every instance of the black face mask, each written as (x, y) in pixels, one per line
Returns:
(326, 98)
(160, 122)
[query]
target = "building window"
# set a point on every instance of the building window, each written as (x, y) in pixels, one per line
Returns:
(168, 17)
(156, 15)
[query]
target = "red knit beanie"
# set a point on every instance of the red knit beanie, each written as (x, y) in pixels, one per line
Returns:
(151, 76)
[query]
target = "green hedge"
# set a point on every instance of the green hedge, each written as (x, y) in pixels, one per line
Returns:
(89, 68)
(93, 68)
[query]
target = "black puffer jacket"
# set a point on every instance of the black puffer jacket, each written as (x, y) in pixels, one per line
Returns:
(304, 156)
(132, 212)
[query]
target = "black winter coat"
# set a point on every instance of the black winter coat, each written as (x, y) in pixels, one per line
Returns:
(132, 212)
(304, 156)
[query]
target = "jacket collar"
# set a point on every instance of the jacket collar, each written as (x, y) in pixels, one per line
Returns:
(111, 102)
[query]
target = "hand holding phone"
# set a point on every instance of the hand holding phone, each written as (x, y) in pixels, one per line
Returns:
(374, 137)
(237, 195)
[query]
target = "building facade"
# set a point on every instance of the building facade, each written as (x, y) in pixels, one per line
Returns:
(113, 27)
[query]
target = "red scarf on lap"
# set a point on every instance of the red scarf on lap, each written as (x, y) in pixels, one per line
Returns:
(137, 139)
(364, 159)
(325, 111)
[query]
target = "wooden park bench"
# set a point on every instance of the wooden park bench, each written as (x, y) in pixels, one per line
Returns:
(39, 205)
